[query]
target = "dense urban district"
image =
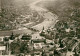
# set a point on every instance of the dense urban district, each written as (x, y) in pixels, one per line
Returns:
(34, 30)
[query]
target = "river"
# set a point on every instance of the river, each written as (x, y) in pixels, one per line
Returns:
(50, 20)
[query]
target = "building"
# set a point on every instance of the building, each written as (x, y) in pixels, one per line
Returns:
(3, 47)
(38, 43)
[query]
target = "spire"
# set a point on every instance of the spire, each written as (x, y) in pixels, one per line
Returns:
(12, 36)
(36, 36)
(43, 28)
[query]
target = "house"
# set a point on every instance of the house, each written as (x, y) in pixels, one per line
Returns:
(1, 39)
(49, 41)
(26, 37)
(69, 53)
(3, 48)
(37, 53)
(38, 43)
(28, 55)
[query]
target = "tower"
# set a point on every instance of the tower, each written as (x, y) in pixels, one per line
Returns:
(43, 28)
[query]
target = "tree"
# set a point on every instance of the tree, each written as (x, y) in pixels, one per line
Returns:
(6, 39)
(14, 47)
(61, 44)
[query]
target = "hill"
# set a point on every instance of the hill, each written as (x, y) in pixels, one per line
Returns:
(11, 10)
(62, 8)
